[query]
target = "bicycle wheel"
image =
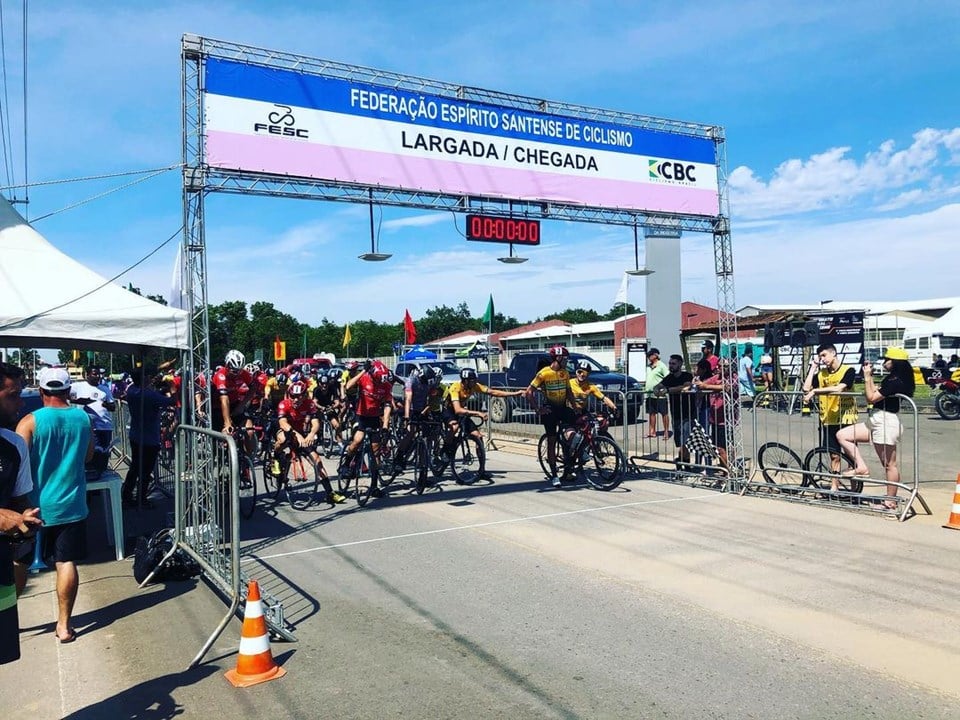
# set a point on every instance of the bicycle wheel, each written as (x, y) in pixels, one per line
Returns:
(421, 465)
(248, 486)
(606, 465)
(438, 459)
(367, 477)
(542, 455)
(387, 461)
(819, 464)
(779, 464)
(326, 438)
(270, 481)
(303, 483)
(468, 461)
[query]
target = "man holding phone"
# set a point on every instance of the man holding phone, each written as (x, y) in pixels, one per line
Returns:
(827, 378)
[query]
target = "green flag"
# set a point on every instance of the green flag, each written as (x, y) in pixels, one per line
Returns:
(488, 315)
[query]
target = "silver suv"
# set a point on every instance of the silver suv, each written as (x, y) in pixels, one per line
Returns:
(450, 370)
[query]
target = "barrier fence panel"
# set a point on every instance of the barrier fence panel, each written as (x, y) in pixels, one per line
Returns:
(798, 459)
(120, 446)
(673, 440)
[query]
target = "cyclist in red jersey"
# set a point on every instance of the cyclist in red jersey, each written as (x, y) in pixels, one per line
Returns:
(297, 418)
(232, 395)
(374, 385)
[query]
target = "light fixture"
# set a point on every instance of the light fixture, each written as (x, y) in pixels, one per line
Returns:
(637, 270)
(373, 255)
(512, 259)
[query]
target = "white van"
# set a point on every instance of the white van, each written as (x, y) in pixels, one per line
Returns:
(923, 345)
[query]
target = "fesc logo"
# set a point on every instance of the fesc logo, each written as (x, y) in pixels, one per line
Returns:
(281, 122)
(672, 171)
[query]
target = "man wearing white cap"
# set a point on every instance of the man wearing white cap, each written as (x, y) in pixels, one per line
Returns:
(60, 440)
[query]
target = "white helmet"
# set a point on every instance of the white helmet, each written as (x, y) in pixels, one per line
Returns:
(234, 360)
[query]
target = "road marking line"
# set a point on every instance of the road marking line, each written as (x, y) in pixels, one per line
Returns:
(250, 558)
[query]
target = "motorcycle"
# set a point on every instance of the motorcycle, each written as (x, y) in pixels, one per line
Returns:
(947, 398)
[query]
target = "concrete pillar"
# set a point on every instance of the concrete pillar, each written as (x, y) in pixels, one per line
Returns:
(663, 290)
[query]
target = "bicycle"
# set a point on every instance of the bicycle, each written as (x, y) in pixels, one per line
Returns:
(593, 444)
(464, 453)
(420, 453)
(299, 477)
(245, 468)
(361, 472)
(780, 465)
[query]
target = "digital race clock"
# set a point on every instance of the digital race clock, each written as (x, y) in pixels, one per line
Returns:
(519, 231)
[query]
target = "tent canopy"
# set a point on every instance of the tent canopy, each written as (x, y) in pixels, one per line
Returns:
(417, 352)
(48, 299)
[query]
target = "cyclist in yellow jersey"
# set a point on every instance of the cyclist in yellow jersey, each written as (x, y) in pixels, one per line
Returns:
(455, 408)
(554, 382)
(582, 389)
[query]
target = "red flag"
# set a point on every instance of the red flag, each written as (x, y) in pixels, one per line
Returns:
(409, 330)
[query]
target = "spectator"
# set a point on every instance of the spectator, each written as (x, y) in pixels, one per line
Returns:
(144, 405)
(954, 362)
(60, 440)
(96, 398)
(656, 405)
(745, 372)
(675, 384)
(723, 381)
(703, 372)
(883, 426)
(939, 363)
(766, 372)
(707, 350)
(16, 519)
(827, 379)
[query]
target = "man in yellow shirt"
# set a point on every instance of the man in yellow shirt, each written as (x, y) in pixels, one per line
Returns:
(826, 379)
(554, 381)
(582, 389)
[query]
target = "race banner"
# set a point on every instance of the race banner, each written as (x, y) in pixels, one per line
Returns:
(288, 123)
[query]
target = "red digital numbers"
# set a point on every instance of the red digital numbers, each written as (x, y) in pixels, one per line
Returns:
(505, 230)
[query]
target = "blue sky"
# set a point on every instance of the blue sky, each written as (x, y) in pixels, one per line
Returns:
(843, 145)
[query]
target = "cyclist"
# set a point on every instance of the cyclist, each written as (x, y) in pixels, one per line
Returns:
(350, 392)
(274, 390)
(298, 423)
(372, 383)
(232, 395)
(554, 381)
(582, 389)
(327, 397)
(422, 398)
(455, 408)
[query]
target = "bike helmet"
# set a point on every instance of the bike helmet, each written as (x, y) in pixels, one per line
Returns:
(351, 365)
(258, 364)
(234, 360)
(271, 372)
(468, 374)
(295, 376)
(307, 369)
(380, 373)
(323, 379)
(297, 391)
(281, 378)
(250, 368)
(559, 352)
(426, 373)
(584, 365)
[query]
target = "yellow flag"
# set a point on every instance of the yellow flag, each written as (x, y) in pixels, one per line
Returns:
(346, 336)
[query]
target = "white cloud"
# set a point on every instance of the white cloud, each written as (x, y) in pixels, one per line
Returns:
(832, 179)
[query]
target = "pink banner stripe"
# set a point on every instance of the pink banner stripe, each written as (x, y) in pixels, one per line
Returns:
(279, 156)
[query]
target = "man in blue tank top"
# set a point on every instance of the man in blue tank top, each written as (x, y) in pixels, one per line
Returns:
(60, 439)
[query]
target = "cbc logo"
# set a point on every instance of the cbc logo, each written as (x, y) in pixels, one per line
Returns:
(672, 170)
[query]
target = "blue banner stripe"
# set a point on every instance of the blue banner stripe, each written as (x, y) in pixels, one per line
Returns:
(287, 87)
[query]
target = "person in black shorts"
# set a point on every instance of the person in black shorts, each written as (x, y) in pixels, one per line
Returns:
(676, 386)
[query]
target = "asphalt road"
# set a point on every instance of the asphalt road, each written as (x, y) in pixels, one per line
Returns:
(514, 600)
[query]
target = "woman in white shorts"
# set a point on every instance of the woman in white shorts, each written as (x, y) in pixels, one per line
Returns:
(883, 427)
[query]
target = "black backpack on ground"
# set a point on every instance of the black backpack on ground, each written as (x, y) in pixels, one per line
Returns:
(151, 550)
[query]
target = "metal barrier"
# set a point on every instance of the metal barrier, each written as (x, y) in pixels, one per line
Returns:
(794, 463)
(207, 525)
(694, 461)
(120, 445)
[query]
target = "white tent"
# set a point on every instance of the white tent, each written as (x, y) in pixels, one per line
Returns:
(50, 300)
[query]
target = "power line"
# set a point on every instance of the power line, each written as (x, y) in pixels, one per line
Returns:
(85, 178)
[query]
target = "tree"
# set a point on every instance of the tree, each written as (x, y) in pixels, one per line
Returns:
(575, 315)
(617, 311)
(442, 320)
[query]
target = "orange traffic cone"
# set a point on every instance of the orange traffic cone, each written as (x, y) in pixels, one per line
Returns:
(954, 522)
(255, 663)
